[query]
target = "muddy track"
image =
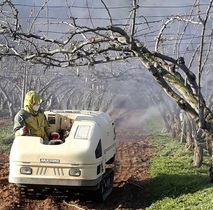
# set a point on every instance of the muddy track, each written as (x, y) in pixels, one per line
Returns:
(131, 182)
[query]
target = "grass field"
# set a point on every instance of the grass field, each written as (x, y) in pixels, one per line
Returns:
(176, 183)
(6, 138)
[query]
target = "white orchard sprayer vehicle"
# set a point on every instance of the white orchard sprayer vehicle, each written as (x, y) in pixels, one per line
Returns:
(81, 161)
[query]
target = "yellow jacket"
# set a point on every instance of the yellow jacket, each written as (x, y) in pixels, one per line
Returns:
(35, 121)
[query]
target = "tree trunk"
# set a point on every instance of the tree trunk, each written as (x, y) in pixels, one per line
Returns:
(198, 155)
(198, 148)
(182, 127)
(189, 138)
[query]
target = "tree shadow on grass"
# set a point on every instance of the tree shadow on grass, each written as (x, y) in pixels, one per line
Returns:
(141, 194)
(175, 185)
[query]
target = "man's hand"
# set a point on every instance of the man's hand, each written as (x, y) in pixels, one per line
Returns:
(23, 131)
(55, 135)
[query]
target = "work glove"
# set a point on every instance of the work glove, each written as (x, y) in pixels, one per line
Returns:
(55, 135)
(23, 131)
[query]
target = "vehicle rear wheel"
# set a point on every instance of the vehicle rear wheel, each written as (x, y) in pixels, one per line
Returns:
(105, 187)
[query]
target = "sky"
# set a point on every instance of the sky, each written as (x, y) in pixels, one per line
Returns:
(54, 19)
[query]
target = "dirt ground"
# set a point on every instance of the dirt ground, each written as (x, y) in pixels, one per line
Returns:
(131, 182)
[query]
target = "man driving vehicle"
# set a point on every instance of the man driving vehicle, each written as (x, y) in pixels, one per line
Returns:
(31, 121)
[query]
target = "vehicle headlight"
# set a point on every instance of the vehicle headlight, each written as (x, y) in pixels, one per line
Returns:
(26, 170)
(74, 172)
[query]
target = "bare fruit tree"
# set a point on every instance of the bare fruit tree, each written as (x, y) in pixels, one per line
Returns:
(90, 45)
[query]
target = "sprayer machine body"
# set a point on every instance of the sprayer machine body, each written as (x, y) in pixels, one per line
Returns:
(80, 161)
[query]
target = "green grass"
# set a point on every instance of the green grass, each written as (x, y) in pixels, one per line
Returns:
(175, 183)
(6, 138)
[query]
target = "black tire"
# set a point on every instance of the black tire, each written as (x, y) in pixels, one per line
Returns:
(31, 193)
(105, 187)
